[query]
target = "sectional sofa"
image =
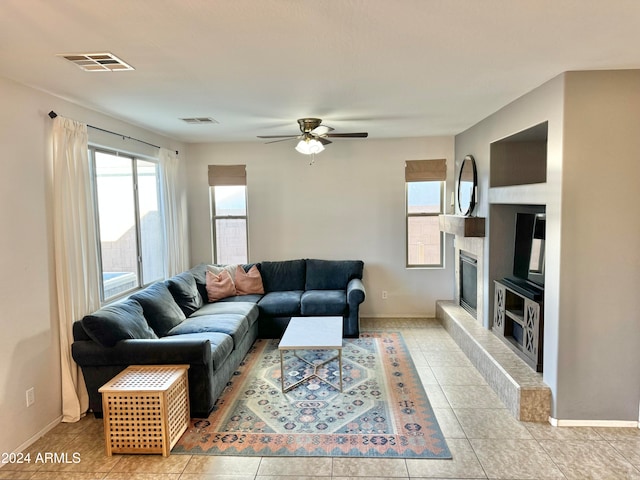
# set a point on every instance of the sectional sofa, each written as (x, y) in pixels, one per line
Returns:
(173, 322)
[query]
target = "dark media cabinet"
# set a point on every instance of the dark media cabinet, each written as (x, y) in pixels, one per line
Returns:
(518, 312)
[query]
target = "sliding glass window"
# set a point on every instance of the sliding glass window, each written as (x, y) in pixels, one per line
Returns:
(130, 229)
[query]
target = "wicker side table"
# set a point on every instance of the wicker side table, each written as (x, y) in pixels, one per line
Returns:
(145, 408)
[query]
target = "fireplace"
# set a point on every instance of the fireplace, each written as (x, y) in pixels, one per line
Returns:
(469, 263)
(469, 283)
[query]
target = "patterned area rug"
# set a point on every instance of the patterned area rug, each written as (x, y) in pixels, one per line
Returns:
(382, 410)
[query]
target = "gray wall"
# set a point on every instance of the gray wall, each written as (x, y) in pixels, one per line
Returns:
(599, 355)
(592, 330)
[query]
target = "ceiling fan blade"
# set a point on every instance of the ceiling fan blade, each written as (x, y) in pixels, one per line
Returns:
(323, 140)
(277, 136)
(348, 135)
(321, 130)
(281, 140)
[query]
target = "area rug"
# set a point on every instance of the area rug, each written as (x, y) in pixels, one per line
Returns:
(382, 411)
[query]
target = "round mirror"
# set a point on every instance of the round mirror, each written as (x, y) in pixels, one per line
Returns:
(467, 186)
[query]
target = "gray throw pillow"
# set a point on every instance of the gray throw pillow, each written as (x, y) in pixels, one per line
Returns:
(159, 308)
(185, 292)
(119, 321)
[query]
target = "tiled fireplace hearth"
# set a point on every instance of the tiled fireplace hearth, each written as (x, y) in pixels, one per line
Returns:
(518, 386)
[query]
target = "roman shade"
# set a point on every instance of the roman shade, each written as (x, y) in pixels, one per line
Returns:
(425, 170)
(227, 175)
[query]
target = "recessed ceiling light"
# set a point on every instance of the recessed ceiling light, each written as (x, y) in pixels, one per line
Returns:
(200, 120)
(97, 62)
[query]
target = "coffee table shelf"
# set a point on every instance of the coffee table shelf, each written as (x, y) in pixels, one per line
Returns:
(312, 333)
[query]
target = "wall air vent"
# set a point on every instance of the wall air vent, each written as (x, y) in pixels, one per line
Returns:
(199, 120)
(97, 62)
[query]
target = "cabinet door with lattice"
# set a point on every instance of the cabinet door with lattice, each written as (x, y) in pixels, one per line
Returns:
(531, 330)
(499, 308)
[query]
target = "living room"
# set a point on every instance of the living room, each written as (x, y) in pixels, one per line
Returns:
(351, 204)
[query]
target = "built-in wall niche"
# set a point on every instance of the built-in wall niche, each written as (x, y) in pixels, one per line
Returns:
(502, 225)
(520, 159)
(516, 311)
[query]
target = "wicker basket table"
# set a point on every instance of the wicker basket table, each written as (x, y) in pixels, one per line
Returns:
(145, 408)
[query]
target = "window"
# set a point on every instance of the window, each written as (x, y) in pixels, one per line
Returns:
(424, 202)
(228, 192)
(130, 229)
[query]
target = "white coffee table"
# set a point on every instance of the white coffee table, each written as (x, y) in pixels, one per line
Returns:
(312, 333)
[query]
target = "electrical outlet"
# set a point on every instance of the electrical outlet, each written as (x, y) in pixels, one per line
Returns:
(31, 396)
(385, 294)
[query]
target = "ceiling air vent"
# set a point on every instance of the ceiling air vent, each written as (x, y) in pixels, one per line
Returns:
(199, 120)
(97, 62)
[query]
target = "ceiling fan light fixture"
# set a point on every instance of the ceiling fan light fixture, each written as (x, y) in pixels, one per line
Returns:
(309, 146)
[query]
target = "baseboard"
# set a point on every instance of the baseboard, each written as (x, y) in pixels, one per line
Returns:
(398, 315)
(556, 422)
(38, 435)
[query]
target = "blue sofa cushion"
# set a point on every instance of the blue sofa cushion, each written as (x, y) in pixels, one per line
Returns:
(119, 321)
(324, 302)
(332, 274)
(160, 309)
(280, 304)
(251, 298)
(221, 345)
(282, 276)
(247, 309)
(234, 325)
(185, 292)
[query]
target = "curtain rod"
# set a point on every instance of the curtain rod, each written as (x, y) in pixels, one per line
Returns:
(53, 115)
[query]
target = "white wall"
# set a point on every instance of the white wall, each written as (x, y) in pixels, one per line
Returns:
(29, 347)
(348, 205)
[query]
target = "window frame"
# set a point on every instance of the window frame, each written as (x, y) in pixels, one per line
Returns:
(409, 215)
(214, 218)
(133, 158)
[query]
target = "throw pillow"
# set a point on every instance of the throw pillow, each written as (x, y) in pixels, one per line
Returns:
(250, 282)
(119, 321)
(218, 269)
(160, 309)
(219, 286)
(185, 292)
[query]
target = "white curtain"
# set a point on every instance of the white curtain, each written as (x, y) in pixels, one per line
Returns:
(76, 251)
(173, 210)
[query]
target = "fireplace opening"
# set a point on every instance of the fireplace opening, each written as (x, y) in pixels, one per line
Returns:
(469, 283)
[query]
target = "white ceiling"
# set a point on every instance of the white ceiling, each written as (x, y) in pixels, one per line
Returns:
(394, 68)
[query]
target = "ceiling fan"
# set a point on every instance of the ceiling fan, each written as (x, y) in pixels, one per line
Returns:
(313, 136)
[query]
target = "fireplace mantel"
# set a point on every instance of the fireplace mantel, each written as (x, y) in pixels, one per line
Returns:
(462, 226)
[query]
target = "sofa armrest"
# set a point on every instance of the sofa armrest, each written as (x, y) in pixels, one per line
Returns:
(355, 292)
(165, 351)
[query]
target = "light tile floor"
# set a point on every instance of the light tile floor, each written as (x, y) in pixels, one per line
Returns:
(484, 439)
